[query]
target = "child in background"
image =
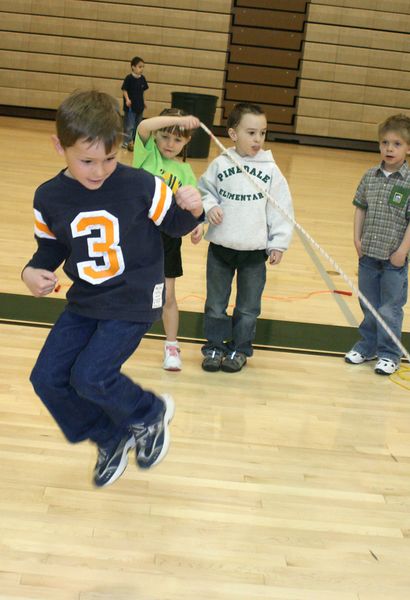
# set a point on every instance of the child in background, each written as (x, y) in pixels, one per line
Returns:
(133, 88)
(102, 219)
(382, 241)
(244, 230)
(158, 143)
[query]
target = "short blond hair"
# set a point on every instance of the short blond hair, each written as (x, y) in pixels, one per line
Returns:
(399, 124)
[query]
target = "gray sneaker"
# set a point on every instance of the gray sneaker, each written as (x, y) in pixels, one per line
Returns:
(213, 360)
(112, 460)
(152, 439)
(233, 362)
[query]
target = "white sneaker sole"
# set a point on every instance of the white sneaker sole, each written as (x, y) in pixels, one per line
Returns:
(169, 415)
(172, 367)
(360, 362)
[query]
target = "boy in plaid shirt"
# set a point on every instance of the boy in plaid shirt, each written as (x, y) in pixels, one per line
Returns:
(382, 240)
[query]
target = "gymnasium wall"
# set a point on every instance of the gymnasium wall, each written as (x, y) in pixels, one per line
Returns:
(324, 70)
(264, 58)
(50, 47)
(356, 67)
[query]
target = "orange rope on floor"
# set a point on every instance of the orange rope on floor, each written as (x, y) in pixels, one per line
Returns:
(277, 298)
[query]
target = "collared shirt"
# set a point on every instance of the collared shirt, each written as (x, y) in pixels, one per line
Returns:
(386, 201)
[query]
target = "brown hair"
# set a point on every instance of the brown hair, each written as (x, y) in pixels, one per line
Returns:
(241, 109)
(91, 116)
(136, 60)
(175, 129)
(399, 123)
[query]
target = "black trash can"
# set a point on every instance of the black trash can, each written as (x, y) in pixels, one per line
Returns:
(202, 106)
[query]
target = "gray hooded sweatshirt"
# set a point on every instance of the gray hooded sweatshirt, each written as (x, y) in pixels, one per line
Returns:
(250, 221)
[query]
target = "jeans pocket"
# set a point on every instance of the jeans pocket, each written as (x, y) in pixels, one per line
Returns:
(390, 265)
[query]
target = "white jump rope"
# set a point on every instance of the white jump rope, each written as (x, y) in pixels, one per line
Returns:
(323, 252)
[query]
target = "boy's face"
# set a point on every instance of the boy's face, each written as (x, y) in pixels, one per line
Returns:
(249, 135)
(138, 68)
(394, 150)
(169, 144)
(88, 163)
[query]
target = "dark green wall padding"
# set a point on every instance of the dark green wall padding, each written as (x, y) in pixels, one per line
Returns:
(281, 335)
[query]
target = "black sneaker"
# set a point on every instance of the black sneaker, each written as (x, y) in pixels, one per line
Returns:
(233, 362)
(152, 441)
(213, 360)
(112, 461)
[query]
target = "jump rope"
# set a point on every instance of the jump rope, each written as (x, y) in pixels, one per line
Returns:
(313, 242)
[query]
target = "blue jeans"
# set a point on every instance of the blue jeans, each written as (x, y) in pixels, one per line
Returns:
(385, 287)
(131, 122)
(221, 330)
(77, 376)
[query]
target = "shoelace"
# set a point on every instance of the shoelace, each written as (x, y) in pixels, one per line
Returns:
(172, 350)
(139, 430)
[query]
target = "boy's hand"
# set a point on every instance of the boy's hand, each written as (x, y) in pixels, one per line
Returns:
(39, 281)
(215, 215)
(275, 257)
(358, 246)
(398, 258)
(197, 234)
(188, 198)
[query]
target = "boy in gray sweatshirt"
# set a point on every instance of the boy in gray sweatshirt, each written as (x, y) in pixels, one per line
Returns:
(244, 231)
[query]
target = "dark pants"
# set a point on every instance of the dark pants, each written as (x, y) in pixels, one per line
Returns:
(78, 377)
(221, 330)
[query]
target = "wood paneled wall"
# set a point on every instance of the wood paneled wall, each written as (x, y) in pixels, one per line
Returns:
(355, 69)
(264, 58)
(50, 47)
(322, 69)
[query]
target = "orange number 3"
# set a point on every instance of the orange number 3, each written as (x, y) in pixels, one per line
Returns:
(104, 246)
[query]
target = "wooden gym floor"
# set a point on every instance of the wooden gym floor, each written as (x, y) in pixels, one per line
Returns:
(286, 481)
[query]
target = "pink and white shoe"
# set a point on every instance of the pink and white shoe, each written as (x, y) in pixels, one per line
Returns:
(172, 358)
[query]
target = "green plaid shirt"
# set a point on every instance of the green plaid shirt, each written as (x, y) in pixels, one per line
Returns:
(386, 201)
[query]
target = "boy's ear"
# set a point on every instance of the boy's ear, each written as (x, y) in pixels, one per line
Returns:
(232, 134)
(57, 145)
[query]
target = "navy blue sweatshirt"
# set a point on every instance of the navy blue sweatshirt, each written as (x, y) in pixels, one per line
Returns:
(109, 240)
